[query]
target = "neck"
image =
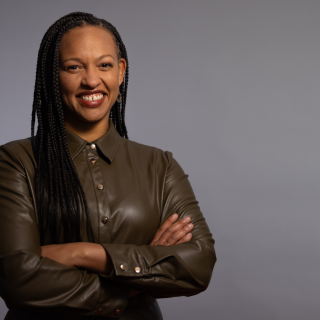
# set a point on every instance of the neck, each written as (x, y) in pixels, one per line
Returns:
(87, 130)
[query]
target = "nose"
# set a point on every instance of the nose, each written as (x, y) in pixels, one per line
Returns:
(91, 78)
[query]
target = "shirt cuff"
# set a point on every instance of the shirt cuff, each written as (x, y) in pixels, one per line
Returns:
(127, 261)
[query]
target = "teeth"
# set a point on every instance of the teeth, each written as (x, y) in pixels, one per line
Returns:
(92, 97)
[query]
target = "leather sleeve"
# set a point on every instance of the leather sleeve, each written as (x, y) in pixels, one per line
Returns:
(167, 271)
(31, 282)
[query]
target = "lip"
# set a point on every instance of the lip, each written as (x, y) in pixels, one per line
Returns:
(91, 104)
(89, 92)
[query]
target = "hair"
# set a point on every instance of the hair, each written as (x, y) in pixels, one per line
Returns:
(60, 198)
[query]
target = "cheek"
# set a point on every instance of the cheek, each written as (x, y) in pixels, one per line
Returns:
(67, 86)
(112, 81)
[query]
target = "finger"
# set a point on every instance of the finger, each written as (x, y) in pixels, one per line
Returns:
(162, 243)
(164, 227)
(175, 237)
(186, 238)
(163, 240)
(173, 229)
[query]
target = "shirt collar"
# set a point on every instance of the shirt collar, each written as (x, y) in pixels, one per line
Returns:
(108, 143)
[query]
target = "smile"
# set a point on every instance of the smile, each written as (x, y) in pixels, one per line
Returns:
(92, 100)
(92, 97)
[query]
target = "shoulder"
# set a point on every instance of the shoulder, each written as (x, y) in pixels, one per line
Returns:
(145, 152)
(19, 147)
(17, 151)
(147, 155)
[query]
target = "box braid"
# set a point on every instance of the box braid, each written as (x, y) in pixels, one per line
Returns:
(60, 198)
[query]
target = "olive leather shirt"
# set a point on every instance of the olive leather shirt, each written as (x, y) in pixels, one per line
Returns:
(131, 189)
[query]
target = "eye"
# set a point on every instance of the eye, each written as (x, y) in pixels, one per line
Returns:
(74, 67)
(106, 65)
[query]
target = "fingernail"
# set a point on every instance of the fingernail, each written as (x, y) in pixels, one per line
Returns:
(189, 235)
(175, 215)
(189, 225)
(186, 219)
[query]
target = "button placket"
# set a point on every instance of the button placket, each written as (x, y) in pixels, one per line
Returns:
(103, 207)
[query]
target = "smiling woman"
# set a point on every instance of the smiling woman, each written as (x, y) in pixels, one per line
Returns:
(90, 74)
(104, 223)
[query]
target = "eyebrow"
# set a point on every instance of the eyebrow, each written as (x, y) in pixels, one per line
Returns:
(79, 60)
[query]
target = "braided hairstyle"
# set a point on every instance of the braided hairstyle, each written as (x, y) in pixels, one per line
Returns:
(60, 199)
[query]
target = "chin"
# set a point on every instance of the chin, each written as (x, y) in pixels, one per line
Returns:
(94, 118)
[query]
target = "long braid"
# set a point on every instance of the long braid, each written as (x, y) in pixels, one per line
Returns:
(60, 198)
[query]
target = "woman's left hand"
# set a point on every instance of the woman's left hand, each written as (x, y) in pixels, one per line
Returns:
(173, 232)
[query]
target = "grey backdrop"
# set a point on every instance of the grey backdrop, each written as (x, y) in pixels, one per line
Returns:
(232, 89)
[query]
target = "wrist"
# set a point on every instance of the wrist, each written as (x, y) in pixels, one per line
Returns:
(91, 256)
(79, 253)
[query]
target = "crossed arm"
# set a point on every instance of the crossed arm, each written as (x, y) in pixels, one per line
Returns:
(93, 256)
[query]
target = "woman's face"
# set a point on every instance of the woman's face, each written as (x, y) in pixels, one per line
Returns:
(89, 74)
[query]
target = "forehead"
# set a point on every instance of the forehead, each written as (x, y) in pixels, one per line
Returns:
(88, 40)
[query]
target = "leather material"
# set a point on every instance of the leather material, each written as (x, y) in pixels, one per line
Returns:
(142, 187)
(150, 311)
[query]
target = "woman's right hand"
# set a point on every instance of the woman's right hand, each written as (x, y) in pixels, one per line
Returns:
(173, 232)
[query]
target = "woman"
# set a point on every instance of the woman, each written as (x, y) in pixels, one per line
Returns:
(93, 224)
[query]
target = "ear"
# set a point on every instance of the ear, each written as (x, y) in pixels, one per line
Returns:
(122, 69)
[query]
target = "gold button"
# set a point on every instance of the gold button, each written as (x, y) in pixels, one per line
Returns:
(123, 267)
(104, 220)
(137, 269)
(93, 160)
(100, 186)
(93, 146)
